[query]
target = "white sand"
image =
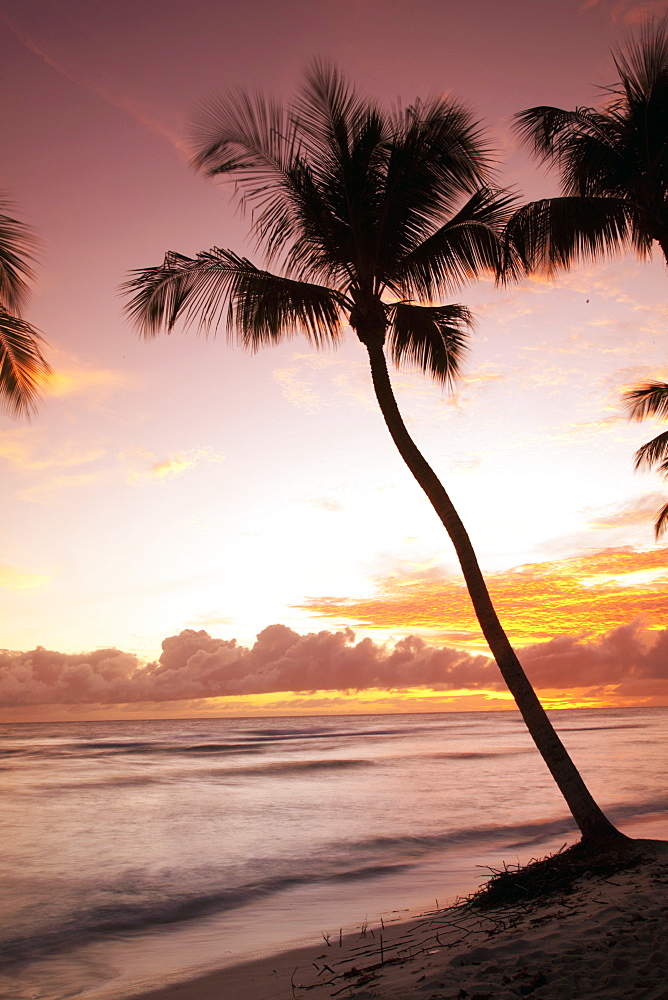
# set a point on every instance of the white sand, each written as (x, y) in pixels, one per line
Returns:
(606, 937)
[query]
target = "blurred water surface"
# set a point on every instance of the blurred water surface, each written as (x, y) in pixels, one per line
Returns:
(135, 852)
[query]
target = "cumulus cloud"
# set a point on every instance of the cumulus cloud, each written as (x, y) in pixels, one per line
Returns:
(195, 665)
(627, 653)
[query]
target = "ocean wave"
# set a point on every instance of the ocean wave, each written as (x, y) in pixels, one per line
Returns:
(478, 754)
(157, 909)
(589, 729)
(298, 767)
(512, 835)
(140, 901)
(318, 733)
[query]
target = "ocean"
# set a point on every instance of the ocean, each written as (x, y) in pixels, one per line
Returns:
(138, 853)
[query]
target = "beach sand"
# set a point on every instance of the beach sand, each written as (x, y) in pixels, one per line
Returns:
(605, 936)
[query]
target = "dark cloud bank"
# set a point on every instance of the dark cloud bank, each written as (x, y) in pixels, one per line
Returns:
(193, 665)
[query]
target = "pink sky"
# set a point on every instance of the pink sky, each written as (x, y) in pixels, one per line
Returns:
(183, 485)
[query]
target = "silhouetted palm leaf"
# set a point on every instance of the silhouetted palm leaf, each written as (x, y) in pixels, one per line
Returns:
(260, 307)
(555, 231)
(615, 156)
(648, 400)
(431, 338)
(17, 247)
(661, 523)
(23, 368)
(654, 453)
(651, 400)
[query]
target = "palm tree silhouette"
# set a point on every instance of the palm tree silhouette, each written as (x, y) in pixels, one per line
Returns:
(22, 365)
(651, 399)
(613, 163)
(614, 176)
(366, 212)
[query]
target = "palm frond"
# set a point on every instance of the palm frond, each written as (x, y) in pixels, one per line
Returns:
(554, 232)
(437, 158)
(259, 306)
(468, 245)
(661, 523)
(253, 139)
(548, 131)
(431, 338)
(445, 129)
(240, 132)
(329, 112)
(23, 367)
(644, 63)
(336, 200)
(648, 400)
(17, 247)
(265, 307)
(654, 453)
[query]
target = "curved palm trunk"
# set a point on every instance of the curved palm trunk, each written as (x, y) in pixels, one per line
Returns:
(593, 824)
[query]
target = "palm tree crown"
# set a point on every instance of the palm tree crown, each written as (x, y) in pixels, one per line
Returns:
(365, 212)
(613, 164)
(651, 400)
(22, 365)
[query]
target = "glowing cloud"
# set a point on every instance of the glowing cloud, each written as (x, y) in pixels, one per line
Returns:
(71, 381)
(145, 465)
(195, 666)
(591, 593)
(21, 449)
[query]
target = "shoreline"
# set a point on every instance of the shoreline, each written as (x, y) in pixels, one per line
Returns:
(603, 938)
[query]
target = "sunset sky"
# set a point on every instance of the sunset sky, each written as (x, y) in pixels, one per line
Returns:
(182, 488)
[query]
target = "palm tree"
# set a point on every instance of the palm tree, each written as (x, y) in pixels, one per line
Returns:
(366, 212)
(22, 366)
(651, 399)
(613, 163)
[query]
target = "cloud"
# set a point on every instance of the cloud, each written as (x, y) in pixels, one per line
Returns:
(322, 503)
(639, 512)
(194, 666)
(20, 447)
(83, 381)
(297, 390)
(628, 653)
(17, 579)
(596, 591)
(637, 13)
(145, 465)
(42, 493)
(473, 384)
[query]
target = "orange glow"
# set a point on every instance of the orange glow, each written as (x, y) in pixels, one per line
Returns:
(589, 594)
(371, 702)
